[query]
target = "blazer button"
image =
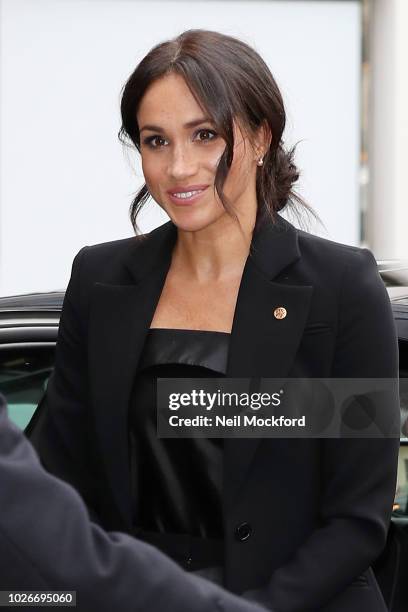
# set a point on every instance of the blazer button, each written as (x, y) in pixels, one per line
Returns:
(243, 532)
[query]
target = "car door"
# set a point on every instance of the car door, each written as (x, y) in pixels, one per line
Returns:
(27, 347)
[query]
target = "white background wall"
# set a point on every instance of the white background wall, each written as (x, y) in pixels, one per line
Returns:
(64, 179)
(388, 153)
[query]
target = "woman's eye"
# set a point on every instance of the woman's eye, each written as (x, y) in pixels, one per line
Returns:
(155, 142)
(205, 135)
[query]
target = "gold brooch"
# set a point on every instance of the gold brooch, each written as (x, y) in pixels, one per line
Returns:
(280, 312)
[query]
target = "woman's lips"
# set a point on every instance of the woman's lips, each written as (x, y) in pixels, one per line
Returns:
(186, 197)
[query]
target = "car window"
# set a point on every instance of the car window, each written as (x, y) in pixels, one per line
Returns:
(400, 509)
(24, 373)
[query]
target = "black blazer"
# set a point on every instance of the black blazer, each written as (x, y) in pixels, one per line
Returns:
(66, 551)
(316, 511)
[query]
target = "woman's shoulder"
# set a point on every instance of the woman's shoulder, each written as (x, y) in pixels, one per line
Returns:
(343, 272)
(109, 262)
(124, 246)
(111, 248)
(100, 262)
(334, 257)
(345, 253)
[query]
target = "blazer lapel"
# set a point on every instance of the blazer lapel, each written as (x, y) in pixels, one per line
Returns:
(119, 321)
(262, 345)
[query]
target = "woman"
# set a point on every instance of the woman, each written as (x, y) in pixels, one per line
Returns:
(226, 287)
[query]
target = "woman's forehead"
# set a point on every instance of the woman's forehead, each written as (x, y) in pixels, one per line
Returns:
(169, 97)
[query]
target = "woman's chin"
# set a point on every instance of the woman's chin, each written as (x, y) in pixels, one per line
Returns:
(193, 221)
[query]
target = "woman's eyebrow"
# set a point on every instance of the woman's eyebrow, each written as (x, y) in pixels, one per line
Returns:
(189, 124)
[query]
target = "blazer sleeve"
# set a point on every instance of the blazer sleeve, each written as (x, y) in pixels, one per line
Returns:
(359, 474)
(61, 427)
(48, 543)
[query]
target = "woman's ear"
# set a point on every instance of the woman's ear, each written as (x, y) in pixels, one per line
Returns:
(263, 139)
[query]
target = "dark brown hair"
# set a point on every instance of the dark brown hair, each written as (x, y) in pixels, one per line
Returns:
(229, 80)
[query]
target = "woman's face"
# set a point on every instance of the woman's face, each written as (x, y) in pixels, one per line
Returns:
(180, 151)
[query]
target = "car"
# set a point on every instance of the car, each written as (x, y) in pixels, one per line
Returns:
(401, 502)
(28, 334)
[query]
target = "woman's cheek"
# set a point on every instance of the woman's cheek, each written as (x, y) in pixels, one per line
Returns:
(214, 157)
(151, 177)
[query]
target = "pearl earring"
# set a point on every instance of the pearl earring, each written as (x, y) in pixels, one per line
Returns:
(260, 162)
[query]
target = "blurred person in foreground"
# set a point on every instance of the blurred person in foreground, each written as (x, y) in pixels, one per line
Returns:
(47, 542)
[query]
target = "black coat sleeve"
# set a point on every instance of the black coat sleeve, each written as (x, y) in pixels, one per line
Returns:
(48, 543)
(359, 474)
(61, 427)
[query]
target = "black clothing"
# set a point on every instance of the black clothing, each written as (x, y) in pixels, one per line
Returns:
(177, 483)
(48, 543)
(303, 519)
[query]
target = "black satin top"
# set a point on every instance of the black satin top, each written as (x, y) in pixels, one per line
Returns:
(177, 483)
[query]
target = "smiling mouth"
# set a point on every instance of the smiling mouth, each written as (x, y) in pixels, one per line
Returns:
(183, 195)
(181, 198)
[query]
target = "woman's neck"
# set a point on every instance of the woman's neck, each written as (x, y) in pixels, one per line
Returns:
(215, 253)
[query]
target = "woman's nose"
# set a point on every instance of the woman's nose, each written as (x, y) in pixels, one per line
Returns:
(181, 164)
